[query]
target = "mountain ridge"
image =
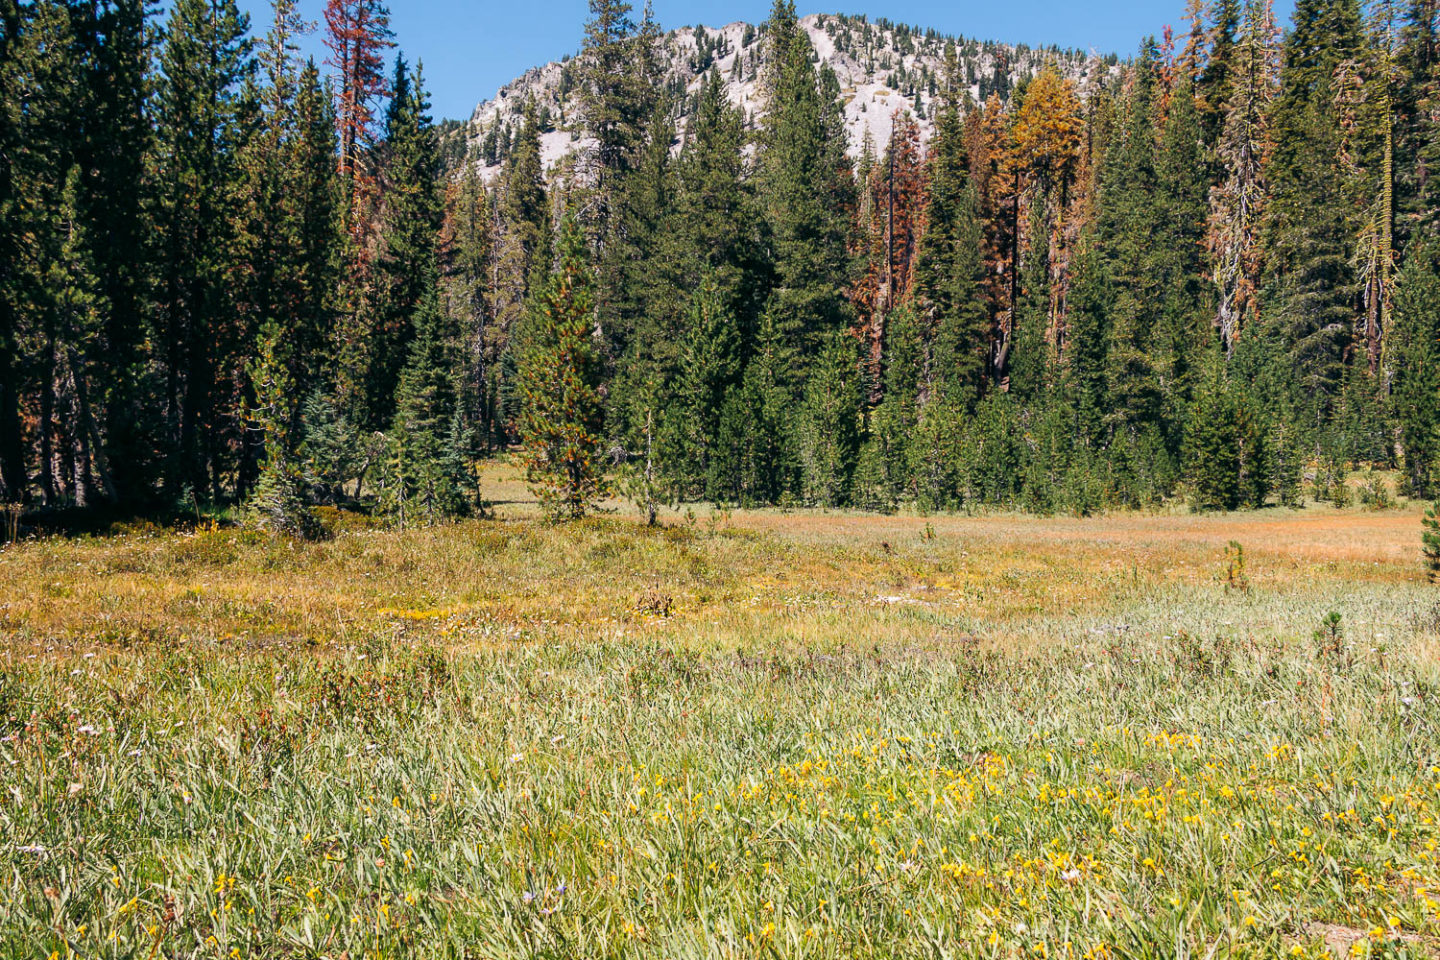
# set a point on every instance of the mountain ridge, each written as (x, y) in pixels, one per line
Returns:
(883, 68)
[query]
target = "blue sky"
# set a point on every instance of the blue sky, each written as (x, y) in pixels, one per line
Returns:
(471, 47)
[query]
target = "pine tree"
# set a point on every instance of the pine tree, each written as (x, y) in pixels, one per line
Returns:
(357, 33)
(75, 351)
(1237, 204)
(756, 459)
(117, 208)
(1128, 223)
(828, 422)
(644, 479)
(1225, 64)
(1370, 95)
(470, 260)
(799, 176)
(709, 370)
(1417, 124)
(559, 380)
(1029, 359)
(948, 271)
(427, 479)
(1086, 355)
(1416, 388)
(292, 234)
(1177, 256)
(896, 206)
(716, 234)
(412, 212)
(201, 128)
(1307, 231)
(998, 194)
(278, 501)
(1225, 455)
(522, 255)
(620, 77)
(640, 302)
(1430, 542)
(14, 481)
(312, 277)
(47, 86)
(333, 451)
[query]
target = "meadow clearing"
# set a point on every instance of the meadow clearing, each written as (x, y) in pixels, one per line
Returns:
(748, 735)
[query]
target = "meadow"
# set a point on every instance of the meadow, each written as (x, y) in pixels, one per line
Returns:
(740, 735)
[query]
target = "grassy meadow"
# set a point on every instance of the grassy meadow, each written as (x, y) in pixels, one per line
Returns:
(742, 735)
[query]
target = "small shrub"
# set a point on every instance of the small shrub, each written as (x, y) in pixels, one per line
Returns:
(210, 545)
(336, 520)
(655, 601)
(1330, 644)
(1375, 494)
(1235, 576)
(1203, 659)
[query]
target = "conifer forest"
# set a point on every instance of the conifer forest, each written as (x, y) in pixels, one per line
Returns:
(1207, 272)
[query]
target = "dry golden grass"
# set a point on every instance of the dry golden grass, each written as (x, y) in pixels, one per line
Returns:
(737, 736)
(727, 576)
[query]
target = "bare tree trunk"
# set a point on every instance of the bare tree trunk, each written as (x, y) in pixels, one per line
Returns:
(47, 422)
(91, 444)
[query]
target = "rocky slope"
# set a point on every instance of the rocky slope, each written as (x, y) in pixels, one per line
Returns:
(882, 67)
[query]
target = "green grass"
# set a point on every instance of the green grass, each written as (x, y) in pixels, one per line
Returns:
(850, 736)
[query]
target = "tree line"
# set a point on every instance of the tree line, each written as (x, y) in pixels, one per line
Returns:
(233, 275)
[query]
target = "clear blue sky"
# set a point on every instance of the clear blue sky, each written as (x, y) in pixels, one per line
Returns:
(471, 47)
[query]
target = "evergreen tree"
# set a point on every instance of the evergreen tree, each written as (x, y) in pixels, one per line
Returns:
(117, 209)
(406, 268)
(948, 271)
(708, 371)
(1307, 230)
(1225, 65)
(895, 208)
(428, 471)
(1237, 204)
(333, 452)
(1177, 256)
(892, 423)
(800, 169)
(201, 129)
(643, 479)
(640, 305)
(14, 482)
(618, 96)
(1086, 355)
(756, 460)
(291, 237)
(357, 33)
(278, 501)
(1128, 224)
(73, 354)
(1417, 123)
(48, 88)
(1029, 360)
(470, 260)
(1430, 542)
(1416, 389)
(1225, 456)
(559, 380)
(828, 422)
(314, 202)
(522, 255)
(716, 236)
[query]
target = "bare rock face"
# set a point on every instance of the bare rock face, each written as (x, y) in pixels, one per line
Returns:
(882, 68)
